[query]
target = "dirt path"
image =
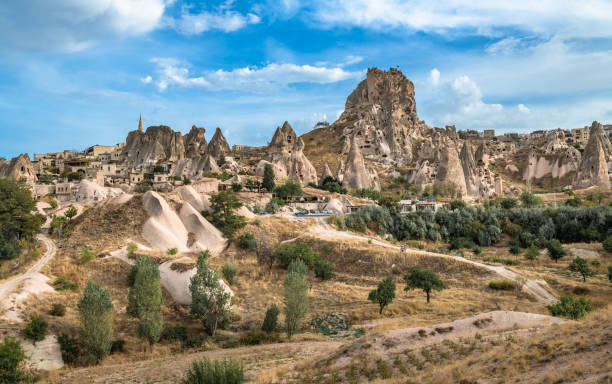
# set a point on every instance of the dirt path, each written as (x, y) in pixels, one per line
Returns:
(15, 289)
(257, 360)
(531, 286)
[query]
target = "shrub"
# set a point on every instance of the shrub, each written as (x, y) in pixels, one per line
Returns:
(11, 355)
(502, 285)
(477, 250)
(172, 251)
(384, 294)
(131, 277)
(571, 307)
(274, 205)
(246, 241)
(63, 284)
(194, 341)
(607, 244)
(532, 253)
(555, 249)
(271, 320)
(9, 251)
(259, 337)
(70, 347)
(87, 256)
(71, 212)
(131, 248)
(236, 187)
(36, 329)
(323, 270)
(229, 272)
(143, 187)
(508, 203)
(175, 333)
(58, 309)
(457, 204)
(287, 253)
(610, 272)
(53, 204)
(117, 346)
(219, 372)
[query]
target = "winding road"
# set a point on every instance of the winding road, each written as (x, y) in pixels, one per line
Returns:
(532, 286)
(9, 289)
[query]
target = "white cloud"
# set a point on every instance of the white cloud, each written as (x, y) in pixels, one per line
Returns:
(348, 60)
(74, 25)
(434, 76)
(146, 80)
(223, 18)
(574, 18)
(170, 72)
(522, 108)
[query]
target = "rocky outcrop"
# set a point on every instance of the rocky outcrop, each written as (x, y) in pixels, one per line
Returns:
(449, 166)
(19, 168)
(340, 171)
(355, 174)
(210, 165)
(469, 169)
(593, 168)
(326, 173)
(380, 114)
(158, 143)
(286, 155)
(195, 142)
(218, 146)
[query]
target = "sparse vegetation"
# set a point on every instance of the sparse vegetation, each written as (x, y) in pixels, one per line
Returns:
(229, 273)
(502, 285)
(271, 320)
(247, 241)
(11, 356)
(87, 256)
(58, 309)
(172, 251)
(607, 244)
(63, 284)
(581, 266)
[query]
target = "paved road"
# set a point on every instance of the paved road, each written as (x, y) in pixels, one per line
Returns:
(532, 286)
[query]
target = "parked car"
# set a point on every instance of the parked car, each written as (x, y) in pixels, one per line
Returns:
(326, 211)
(301, 213)
(262, 213)
(313, 211)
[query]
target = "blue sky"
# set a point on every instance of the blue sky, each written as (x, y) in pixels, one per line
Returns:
(78, 72)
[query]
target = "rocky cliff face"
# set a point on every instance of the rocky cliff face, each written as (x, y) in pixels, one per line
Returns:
(286, 155)
(594, 168)
(158, 143)
(218, 146)
(19, 168)
(470, 173)
(355, 174)
(380, 114)
(195, 142)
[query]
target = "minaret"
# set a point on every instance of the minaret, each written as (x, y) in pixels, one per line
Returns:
(140, 124)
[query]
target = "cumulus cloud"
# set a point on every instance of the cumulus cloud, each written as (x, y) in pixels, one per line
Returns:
(146, 79)
(74, 25)
(583, 18)
(434, 76)
(170, 72)
(522, 108)
(222, 19)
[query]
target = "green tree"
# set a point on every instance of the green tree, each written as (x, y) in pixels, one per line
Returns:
(268, 178)
(296, 296)
(236, 187)
(11, 355)
(423, 279)
(607, 244)
(529, 200)
(16, 218)
(229, 272)
(508, 203)
(36, 329)
(581, 266)
(145, 300)
(555, 249)
(209, 300)
(58, 223)
(532, 253)
(271, 320)
(610, 272)
(71, 212)
(96, 315)
(384, 294)
(571, 307)
(288, 190)
(222, 206)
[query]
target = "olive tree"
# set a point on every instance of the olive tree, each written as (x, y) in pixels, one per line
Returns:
(581, 266)
(384, 294)
(423, 279)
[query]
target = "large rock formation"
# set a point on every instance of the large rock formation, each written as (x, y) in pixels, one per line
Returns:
(158, 143)
(381, 115)
(355, 174)
(19, 168)
(195, 142)
(285, 154)
(594, 167)
(218, 146)
(469, 169)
